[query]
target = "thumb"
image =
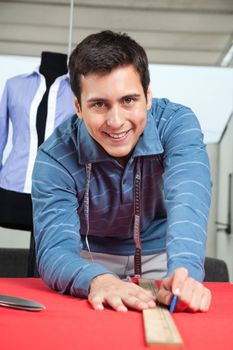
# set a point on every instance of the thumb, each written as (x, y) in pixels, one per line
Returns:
(178, 278)
(167, 283)
(165, 294)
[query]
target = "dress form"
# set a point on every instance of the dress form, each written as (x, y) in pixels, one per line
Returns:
(52, 66)
(16, 207)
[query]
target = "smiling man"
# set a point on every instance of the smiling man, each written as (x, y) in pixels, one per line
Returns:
(124, 188)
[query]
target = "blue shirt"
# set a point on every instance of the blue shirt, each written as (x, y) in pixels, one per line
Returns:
(19, 104)
(175, 198)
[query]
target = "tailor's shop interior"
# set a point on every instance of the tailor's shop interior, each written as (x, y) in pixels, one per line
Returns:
(189, 64)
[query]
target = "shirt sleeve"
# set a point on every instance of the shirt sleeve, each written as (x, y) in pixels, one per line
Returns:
(4, 122)
(187, 190)
(56, 229)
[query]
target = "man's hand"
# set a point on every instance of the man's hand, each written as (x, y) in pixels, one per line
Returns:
(192, 295)
(120, 295)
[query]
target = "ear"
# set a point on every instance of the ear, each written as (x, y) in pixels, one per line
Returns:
(78, 108)
(149, 98)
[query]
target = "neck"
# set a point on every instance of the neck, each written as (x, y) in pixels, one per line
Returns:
(53, 65)
(123, 160)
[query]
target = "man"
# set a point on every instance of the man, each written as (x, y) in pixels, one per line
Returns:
(123, 189)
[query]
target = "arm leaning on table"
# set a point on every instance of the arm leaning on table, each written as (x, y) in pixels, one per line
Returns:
(187, 191)
(56, 223)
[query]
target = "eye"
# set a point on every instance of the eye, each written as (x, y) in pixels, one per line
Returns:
(99, 104)
(128, 100)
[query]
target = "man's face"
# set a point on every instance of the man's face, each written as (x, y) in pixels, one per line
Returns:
(114, 109)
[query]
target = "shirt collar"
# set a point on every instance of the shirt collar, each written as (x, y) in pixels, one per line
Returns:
(91, 152)
(37, 72)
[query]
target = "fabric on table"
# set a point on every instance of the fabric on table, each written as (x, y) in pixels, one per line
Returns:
(70, 322)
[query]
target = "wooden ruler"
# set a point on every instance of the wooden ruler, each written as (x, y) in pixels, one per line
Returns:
(160, 329)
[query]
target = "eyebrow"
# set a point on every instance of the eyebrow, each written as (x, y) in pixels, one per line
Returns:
(130, 95)
(96, 99)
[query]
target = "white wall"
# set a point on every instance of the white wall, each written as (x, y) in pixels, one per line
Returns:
(207, 90)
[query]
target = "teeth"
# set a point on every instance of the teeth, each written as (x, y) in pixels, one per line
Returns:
(118, 136)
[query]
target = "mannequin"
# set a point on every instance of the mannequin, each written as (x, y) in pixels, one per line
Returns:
(52, 66)
(46, 100)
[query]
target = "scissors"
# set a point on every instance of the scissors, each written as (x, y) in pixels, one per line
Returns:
(20, 303)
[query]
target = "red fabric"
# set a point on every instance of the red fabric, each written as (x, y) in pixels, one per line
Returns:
(70, 323)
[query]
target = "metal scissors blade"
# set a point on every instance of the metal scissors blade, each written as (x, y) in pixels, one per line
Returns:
(20, 303)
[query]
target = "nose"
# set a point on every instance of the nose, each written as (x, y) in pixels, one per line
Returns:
(115, 118)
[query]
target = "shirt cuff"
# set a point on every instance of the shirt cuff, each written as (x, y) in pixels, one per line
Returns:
(197, 273)
(82, 283)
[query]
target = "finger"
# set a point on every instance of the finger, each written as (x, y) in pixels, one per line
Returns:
(196, 297)
(173, 286)
(136, 303)
(186, 296)
(96, 301)
(206, 300)
(167, 283)
(143, 295)
(116, 303)
(164, 296)
(187, 290)
(138, 289)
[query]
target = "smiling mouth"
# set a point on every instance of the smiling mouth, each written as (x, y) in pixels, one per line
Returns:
(117, 136)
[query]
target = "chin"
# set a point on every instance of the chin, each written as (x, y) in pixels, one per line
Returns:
(118, 151)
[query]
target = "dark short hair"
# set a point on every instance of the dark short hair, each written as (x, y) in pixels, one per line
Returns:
(101, 52)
